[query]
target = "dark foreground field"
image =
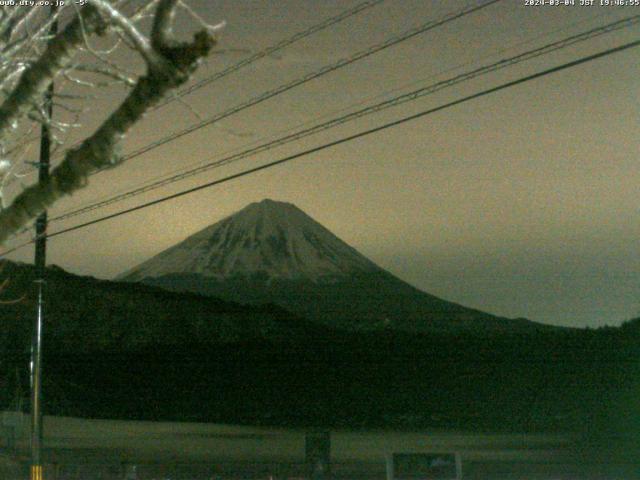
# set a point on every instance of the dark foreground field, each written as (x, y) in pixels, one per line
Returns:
(500, 384)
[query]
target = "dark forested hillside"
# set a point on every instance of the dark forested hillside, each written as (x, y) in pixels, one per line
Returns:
(132, 351)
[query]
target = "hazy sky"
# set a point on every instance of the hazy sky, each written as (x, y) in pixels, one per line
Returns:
(523, 203)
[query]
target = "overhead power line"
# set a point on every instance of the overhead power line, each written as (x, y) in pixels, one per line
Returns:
(346, 139)
(398, 100)
(264, 53)
(272, 49)
(308, 77)
(303, 80)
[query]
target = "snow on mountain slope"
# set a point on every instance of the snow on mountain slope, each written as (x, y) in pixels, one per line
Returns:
(272, 252)
(268, 240)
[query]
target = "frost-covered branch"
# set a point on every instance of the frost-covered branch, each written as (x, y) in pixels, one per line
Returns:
(169, 64)
(36, 78)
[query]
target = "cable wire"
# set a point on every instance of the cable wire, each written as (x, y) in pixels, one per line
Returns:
(425, 27)
(241, 149)
(346, 139)
(266, 52)
(399, 100)
(271, 50)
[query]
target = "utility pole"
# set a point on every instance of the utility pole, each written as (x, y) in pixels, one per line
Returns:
(40, 262)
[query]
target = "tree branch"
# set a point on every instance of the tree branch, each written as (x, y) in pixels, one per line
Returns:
(140, 42)
(37, 77)
(100, 149)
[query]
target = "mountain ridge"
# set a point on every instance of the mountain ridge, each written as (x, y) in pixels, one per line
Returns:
(85, 314)
(127, 350)
(273, 252)
(275, 240)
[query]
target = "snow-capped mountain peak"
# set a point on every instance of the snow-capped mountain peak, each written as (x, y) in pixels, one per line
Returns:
(269, 240)
(273, 252)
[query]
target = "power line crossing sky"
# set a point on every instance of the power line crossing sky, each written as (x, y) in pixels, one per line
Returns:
(521, 204)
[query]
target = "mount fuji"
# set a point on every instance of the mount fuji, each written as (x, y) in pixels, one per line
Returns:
(273, 252)
(269, 240)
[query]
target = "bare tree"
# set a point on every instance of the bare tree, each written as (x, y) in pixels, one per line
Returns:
(31, 58)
